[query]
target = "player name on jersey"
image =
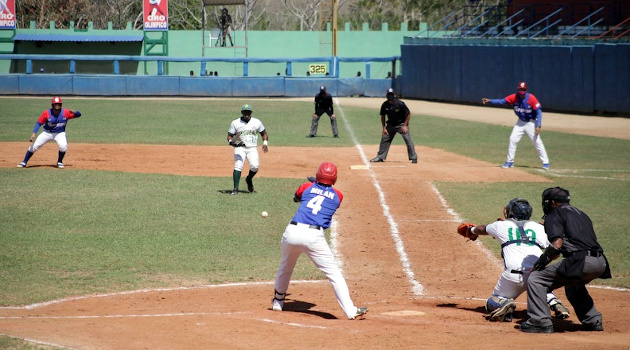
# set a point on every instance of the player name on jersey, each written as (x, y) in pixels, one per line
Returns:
(321, 192)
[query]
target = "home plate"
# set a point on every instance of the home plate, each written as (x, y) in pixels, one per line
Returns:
(358, 167)
(404, 313)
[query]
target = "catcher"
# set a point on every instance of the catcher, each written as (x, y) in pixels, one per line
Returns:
(521, 243)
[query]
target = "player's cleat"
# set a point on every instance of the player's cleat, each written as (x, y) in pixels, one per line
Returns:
(277, 305)
(360, 312)
(336, 136)
(376, 160)
(597, 327)
(60, 165)
(530, 328)
(503, 312)
(22, 165)
(414, 161)
(507, 165)
(545, 166)
(310, 136)
(250, 184)
(561, 311)
(235, 191)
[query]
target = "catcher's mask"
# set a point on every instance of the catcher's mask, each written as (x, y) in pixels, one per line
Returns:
(555, 194)
(518, 209)
(326, 173)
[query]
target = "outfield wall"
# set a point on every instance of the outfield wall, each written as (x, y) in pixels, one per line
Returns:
(591, 78)
(113, 85)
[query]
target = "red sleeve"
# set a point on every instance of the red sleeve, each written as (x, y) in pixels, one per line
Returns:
(43, 117)
(340, 195)
(303, 188)
(68, 114)
(533, 101)
(511, 99)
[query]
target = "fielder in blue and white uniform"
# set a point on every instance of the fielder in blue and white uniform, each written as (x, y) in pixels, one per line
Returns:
(54, 121)
(529, 113)
(319, 201)
(243, 136)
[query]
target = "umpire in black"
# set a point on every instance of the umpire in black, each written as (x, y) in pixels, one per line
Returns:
(323, 104)
(398, 116)
(571, 234)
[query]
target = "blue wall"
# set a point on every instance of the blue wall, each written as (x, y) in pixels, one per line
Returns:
(129, 85)
(585, 79)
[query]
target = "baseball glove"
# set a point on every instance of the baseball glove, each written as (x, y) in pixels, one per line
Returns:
(464, 230)
(236, 141)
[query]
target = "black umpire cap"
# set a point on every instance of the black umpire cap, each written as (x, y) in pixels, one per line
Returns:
(390, 91)
(322, 88)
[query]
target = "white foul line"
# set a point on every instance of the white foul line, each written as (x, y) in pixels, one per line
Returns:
(417, 288)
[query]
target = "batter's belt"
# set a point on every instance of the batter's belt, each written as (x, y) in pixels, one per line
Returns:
(315, 227)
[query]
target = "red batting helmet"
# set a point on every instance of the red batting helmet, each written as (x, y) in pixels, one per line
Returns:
(522, 85)
(56, 100)
(326, 173)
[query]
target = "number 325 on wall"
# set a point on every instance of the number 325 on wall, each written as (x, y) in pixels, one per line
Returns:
(318, 68)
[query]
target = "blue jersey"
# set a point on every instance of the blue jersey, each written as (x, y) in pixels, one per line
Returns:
(55, 123)
(526, 109)
(318, 203)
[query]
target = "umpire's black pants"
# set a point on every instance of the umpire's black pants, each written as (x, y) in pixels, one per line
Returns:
(386, 142)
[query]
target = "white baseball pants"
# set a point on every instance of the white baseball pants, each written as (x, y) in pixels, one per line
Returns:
(528, 128)
(46, 137)
(298, 239)
(510, 285)
(249, 153)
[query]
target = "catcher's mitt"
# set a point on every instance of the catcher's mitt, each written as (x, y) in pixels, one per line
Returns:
(464, 230)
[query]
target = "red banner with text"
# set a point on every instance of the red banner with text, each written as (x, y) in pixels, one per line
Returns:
(7, 14)
(155, 14)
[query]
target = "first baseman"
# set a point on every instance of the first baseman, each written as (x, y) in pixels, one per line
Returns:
(54, 121)
(323, 104)
(243, 136)
(521, 243)
(319, 201)
(529, 113)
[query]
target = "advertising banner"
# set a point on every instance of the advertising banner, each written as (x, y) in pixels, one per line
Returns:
(7, 14)
(155, 15)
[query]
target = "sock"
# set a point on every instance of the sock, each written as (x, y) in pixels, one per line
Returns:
(251, 174)
(236, 175)
(61, 155)
(28, 156)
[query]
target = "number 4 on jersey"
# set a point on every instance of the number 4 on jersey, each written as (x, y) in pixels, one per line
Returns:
(316, 204)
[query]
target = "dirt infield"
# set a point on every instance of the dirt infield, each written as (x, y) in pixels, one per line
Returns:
(446, 314)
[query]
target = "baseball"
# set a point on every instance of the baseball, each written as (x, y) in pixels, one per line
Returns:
(264, 214)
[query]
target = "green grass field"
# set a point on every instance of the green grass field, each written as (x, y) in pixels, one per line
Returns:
(97, 231)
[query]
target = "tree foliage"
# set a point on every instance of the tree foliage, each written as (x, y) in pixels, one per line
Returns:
(304, 15)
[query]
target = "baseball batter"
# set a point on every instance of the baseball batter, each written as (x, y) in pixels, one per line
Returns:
(319, 201)
(243, 136)
(529, 113)
(54, 121)
(521, 243)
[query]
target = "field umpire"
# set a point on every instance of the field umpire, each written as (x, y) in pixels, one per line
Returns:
(323, 104)
(398, 116)
(571, 234)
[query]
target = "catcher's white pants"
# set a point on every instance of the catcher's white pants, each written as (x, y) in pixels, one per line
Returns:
(298, 239)
(528, 128)
(249, 153)
(511, 285)
(45, 137)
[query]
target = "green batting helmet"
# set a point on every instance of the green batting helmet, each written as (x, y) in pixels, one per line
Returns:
(246, 107)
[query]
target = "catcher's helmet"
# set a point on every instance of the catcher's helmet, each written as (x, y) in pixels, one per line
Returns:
(326, 173)
(56, 100)
(556, 194)
(522, 85)
(246, 107)
(518, 209)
